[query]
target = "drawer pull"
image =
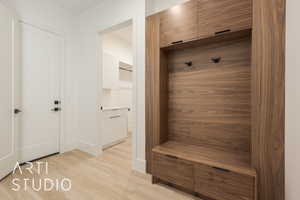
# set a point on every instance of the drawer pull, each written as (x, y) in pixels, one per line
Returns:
(221, 32)
(116, 116)
(221, 169)
(173, 157)
(177, 42)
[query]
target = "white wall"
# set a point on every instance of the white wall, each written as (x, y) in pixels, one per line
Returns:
(292, 139)
(93, 21)
(47, 15)
(154, 6)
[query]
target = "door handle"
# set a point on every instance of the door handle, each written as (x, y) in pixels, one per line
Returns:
(57, 102)
(116, 116)
(17, 111)
(56, 109)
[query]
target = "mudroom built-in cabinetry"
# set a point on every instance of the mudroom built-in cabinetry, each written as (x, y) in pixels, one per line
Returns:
(199, 83)
(211, 99)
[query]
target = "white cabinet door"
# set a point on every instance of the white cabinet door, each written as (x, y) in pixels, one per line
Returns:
(9, 70)
(115, 127)
(110, 71)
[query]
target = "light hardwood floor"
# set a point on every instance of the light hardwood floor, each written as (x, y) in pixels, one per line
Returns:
(107, 177)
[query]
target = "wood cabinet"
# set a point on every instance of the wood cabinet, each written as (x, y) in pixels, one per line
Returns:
(212, 173)
(174, 170)
(179, 24)
(221, 16)
(222, 184)
(198, 19)
(203, 86)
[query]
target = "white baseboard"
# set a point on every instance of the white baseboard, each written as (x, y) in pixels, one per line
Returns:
(37, 151)
(68, 147)
(89, 148)
(7, 165)
(139, 165)
(113, 143)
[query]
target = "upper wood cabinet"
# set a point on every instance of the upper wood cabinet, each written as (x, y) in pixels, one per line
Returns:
(219, 16)
(197, 19)
(179, 23)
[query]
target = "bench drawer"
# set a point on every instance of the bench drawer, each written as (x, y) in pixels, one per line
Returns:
(223, 185)
(173, 170)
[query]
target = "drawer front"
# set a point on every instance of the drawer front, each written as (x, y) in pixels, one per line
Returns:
(114, 113)
(220, 15)
(114, 127)
(173, 170)
(179, 23)
(223, 185)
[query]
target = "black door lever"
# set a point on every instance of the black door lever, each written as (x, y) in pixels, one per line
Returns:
(17, 111)
(57, 102)
(56, 109)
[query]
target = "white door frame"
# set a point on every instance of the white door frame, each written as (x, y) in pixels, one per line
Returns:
(15, 92)
(131, 21)
(62, 134)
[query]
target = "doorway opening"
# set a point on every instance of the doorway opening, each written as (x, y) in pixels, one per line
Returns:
(117, 89)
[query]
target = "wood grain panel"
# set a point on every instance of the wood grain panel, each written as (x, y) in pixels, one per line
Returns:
(236, 162)
(152, 101)
(268, 99)
(219, 15)
(210, 40)
(163, 92)
(174, 170)
(223, 185)
(179, 23)
(156, 89)
(210, 103)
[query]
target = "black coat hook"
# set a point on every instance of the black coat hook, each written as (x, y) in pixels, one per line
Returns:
(190, 63)
(216, 60)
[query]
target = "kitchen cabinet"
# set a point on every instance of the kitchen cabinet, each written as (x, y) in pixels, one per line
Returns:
(115, 126)
(110, 71)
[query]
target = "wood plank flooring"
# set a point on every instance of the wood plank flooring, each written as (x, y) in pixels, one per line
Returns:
(107, 177)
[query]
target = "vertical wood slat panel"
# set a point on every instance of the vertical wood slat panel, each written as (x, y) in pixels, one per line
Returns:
(268, 97)
(156, 79)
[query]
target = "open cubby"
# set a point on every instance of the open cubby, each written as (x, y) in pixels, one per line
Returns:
(206, 115)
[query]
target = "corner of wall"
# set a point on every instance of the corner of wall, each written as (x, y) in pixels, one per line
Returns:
(94, 150)
(139, 165)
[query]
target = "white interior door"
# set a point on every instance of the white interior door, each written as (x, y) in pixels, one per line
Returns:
(42, 61)
(9, 91)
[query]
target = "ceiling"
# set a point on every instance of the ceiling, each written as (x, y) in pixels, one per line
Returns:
(77, 6)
